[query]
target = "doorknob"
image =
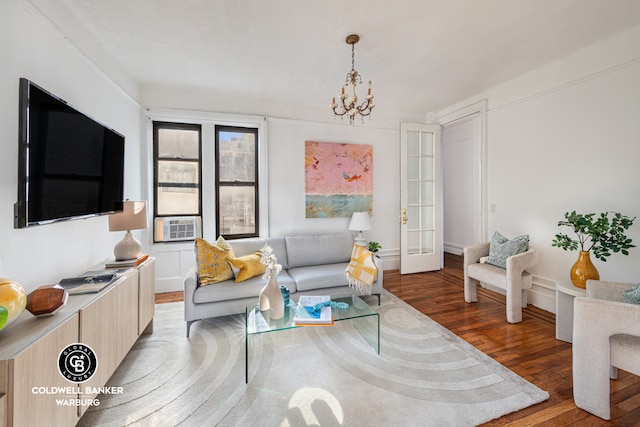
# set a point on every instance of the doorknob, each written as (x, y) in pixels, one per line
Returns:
(403, 216)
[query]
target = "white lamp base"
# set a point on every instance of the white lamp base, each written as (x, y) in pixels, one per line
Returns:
(360, 240)
(127, 248)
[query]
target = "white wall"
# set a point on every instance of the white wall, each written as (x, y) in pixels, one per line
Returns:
(562, 137)
(567, 137)
(285, 186)
(287, 179)
(579, 150)
(30, 47)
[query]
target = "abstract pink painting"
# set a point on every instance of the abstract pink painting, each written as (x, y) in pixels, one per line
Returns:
(338, 179)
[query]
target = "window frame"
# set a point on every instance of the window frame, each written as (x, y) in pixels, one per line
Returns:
(156, 126)
(256, 183)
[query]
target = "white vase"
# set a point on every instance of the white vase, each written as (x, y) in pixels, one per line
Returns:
(271, 299)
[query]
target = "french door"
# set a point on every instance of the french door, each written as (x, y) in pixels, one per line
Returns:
(420, 198)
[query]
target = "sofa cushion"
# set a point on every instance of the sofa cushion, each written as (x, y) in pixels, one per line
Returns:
(502, 248)
(319, 276)
(247, 266)
(303, 251)
(229, 290)
(212, 261)
(247, 246)
(496, 276)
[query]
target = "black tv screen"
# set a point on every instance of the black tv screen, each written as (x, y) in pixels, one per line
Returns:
(69, 165)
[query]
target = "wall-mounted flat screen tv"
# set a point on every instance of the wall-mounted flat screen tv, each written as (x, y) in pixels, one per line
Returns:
(69, 165)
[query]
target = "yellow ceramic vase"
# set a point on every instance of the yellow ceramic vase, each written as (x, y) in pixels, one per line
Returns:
(13, 300)
(583, 270)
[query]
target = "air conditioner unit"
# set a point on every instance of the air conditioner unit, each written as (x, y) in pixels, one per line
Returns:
(177, 228)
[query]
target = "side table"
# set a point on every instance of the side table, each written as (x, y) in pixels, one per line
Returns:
(565, 294)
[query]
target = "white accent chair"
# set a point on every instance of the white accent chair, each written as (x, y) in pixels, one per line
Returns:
(515, 279)
(606, 336)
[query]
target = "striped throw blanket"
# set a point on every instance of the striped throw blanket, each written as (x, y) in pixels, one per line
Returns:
(361, 271)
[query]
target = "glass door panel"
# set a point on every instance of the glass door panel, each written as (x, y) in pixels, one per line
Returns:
(420, 195)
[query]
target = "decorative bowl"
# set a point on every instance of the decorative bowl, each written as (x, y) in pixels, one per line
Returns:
(13, 300)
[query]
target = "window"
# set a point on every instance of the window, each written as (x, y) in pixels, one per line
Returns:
(177, 172)
(236, 154)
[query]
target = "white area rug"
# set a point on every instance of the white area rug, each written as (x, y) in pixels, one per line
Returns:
(424, 375)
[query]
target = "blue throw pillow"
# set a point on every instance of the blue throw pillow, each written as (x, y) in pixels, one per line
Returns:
(501, 248)
(632, 295)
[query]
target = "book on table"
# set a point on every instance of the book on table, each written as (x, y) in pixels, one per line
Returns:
(87, 283)
(308, 315)
(127, 263)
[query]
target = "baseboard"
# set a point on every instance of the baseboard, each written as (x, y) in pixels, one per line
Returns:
(453, 248)
(390, 259)
(542, 293)
(171, 284)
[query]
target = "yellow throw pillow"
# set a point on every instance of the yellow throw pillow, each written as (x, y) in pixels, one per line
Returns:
(223, 244)
(212, 260)
(248, 266)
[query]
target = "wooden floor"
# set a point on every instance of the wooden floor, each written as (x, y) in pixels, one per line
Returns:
(529, 349)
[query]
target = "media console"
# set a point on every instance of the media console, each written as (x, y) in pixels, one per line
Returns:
(32, 389)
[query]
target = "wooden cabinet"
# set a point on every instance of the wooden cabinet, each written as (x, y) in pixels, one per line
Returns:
(109, 325)
(31, 386)
(126, 317)
(3, 390)
(37, 367)
(147, 299)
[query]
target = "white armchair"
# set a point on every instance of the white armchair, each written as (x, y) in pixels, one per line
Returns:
(515, 279)
(606, 336)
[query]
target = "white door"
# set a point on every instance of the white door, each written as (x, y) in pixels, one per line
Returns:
(420, 198)
(462, 195)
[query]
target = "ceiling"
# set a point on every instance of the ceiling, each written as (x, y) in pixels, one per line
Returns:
(422, 55)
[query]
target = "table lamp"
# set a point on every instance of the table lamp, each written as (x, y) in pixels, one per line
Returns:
(360, 222)
(132, 217)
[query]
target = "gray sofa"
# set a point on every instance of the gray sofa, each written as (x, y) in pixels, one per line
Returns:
(313, 265)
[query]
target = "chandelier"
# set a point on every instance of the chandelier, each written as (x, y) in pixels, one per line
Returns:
(348, 104)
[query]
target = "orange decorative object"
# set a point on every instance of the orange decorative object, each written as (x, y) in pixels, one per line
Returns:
(13, 300)
(46, 300)
(583, 270)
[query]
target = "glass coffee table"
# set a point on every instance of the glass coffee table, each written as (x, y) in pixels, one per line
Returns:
(365, 320)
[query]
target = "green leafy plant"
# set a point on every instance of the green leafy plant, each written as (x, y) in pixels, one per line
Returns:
(603, 235)
(374, 246)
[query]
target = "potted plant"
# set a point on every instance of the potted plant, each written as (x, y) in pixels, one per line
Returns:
(603, 235)
(374, 247)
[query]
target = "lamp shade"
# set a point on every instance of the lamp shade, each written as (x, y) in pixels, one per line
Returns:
(132, 217)
(360, 221)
